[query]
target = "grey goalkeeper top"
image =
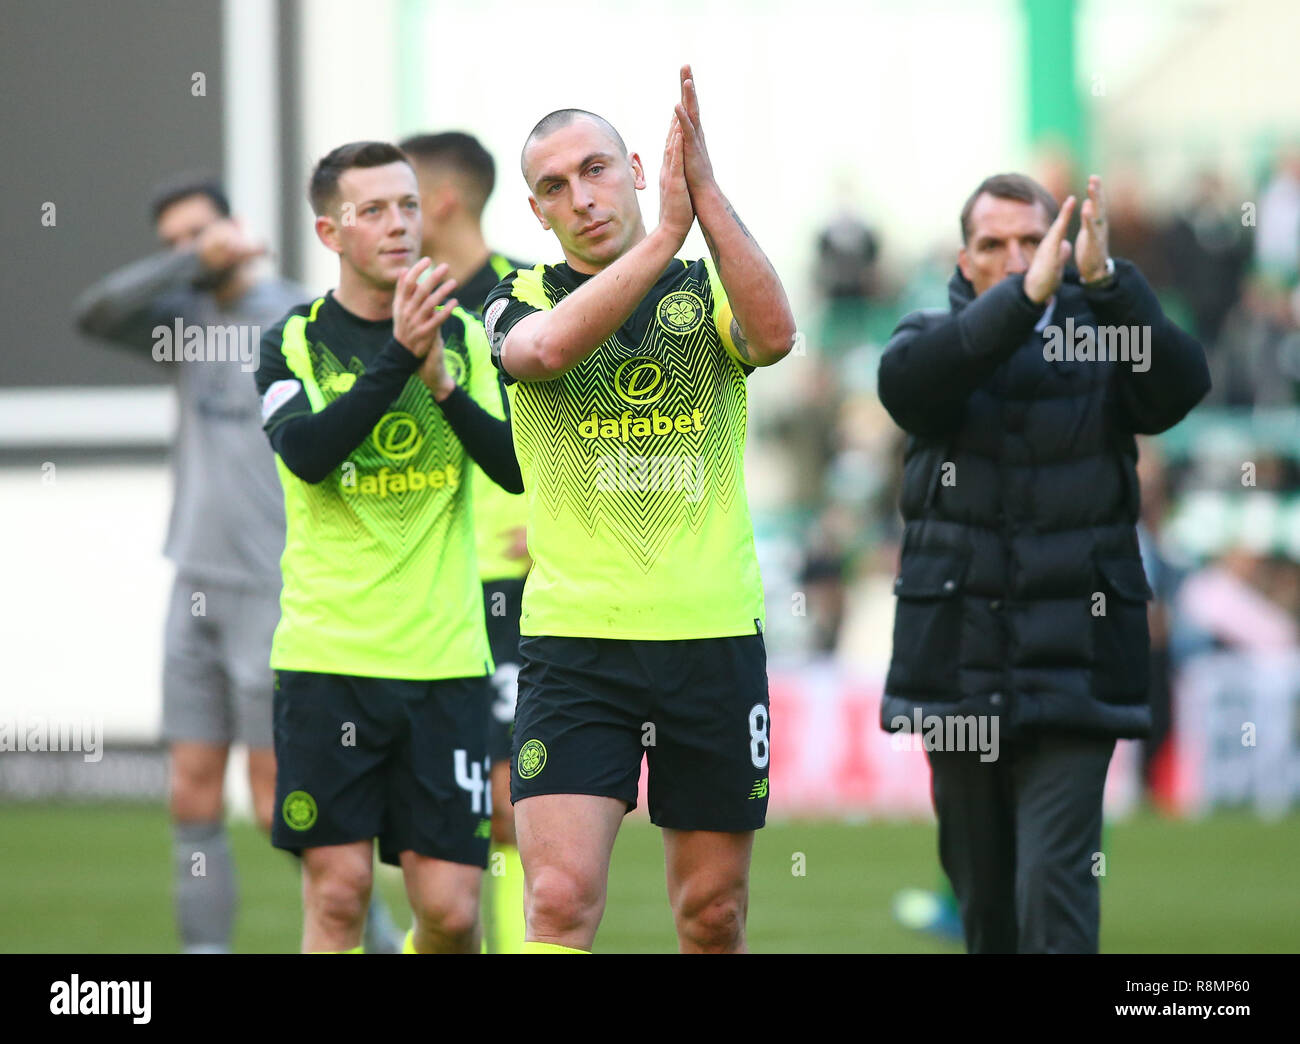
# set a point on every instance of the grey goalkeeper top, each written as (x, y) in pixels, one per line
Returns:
(227, 518)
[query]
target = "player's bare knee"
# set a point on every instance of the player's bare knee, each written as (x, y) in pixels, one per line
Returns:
(560, 900)
(339, 893)
(714, 921)
(340, 906)
(195, 795)
(452, 918)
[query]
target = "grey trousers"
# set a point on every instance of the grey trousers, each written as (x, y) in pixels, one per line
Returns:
(1019, 839)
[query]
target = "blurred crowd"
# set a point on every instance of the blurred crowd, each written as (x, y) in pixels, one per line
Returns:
(1220, 528)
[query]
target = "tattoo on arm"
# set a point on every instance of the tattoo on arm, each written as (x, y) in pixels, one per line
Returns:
(738, 339)
(713, 247)
(736, 217)
(737, 335)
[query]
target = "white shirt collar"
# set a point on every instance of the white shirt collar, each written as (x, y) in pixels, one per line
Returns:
(1047, 314)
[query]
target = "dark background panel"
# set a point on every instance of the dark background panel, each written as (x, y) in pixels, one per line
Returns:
(98, 109)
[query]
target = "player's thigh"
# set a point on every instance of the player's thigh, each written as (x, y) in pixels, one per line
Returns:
(711, 751)
(565, 842)
(578, 745)
(337, 875)
(707, 866)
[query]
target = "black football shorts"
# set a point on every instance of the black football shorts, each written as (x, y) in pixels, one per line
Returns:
(401, 761)
(697, 709)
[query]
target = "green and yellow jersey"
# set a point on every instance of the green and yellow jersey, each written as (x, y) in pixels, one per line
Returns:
(496, 511)
(633, 467)
(380, 574)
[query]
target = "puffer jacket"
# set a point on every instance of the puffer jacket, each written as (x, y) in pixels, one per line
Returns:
(1020, 497)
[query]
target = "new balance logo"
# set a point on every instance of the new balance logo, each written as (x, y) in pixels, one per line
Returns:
(759, 790)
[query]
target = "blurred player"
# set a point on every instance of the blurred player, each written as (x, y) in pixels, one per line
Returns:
(456, 176)
(642, 614)
(370, 397)
(225, 537)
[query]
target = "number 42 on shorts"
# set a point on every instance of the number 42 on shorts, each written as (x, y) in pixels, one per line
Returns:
(474, 778)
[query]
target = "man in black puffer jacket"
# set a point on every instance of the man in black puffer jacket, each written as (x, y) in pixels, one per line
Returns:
(1021, 614)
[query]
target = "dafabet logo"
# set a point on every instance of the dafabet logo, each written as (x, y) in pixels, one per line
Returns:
(640, 381)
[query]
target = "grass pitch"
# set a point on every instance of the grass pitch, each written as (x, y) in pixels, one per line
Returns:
(96, 879)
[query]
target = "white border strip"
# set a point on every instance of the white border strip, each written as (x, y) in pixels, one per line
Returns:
(86, 417)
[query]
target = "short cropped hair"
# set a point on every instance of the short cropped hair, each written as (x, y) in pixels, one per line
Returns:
(323, 189)
(185, 187)
(553, 121)
(460, 152)
(1020, 187)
